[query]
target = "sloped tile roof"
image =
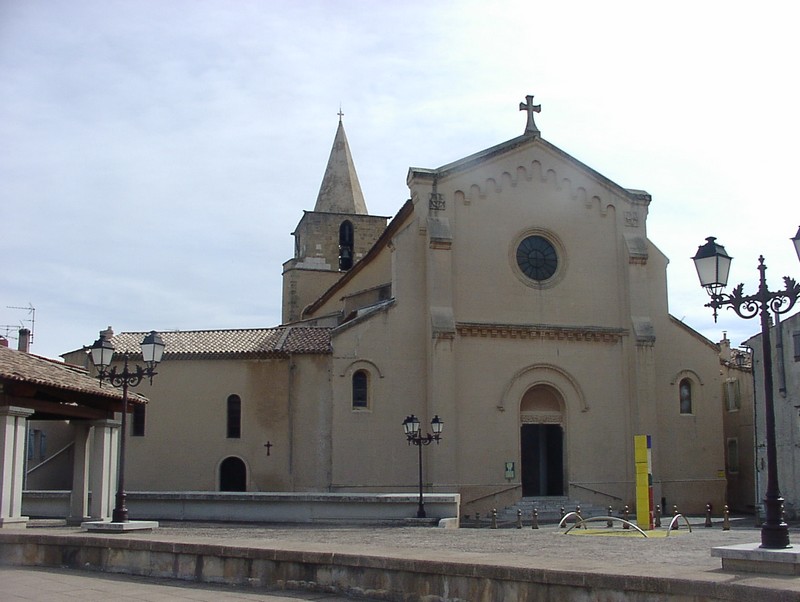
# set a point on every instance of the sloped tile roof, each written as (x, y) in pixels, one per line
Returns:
(254, 342)
(27, 368)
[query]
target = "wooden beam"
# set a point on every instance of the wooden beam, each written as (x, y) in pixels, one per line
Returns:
(57, 410)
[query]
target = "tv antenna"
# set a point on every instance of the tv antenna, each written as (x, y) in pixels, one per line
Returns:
(30, 318)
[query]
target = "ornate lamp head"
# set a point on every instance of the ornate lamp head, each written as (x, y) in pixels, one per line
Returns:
(152, 349)
(102, 351)
(713, 265)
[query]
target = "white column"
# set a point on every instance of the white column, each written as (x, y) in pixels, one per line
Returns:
(79, 498)
(13, 434)
(103, 470)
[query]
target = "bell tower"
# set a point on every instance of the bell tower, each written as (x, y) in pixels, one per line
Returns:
(332, 238)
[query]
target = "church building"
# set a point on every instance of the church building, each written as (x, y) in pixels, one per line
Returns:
(515, 295)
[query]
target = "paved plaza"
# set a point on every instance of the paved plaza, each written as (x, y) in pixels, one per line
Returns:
(682, 556)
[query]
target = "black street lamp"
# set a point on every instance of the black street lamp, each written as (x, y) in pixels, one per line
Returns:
(413, 435)
(713, 264)
(102, 351)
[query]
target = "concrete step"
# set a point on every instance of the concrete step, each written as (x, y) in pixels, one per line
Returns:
(548, 509)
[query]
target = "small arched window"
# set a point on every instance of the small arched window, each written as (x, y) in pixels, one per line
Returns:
(360, 390)
(234, 417)
(345, 246)
(685, 392)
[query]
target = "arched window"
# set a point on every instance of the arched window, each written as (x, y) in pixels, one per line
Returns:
(360, 390)
(234, 417)
(345, 246)
(232, 475)
(685, 392)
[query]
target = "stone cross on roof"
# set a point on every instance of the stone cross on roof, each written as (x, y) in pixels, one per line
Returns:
(530, 127)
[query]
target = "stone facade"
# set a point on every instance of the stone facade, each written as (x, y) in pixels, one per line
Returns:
(542, 381)
(786, 402)
(736, 369)
(516, 295)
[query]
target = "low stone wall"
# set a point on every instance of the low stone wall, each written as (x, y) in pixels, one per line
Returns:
(259, 507)
(383, 577)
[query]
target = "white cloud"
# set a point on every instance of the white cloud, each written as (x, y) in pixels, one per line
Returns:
(169, 132)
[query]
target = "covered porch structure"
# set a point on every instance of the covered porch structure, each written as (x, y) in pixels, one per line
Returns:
(37, 388)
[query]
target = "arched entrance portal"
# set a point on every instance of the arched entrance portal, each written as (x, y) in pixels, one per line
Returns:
(542, 442)
(232, 475)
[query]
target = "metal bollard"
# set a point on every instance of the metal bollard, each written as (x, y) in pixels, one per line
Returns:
(708, 516)
(675, 525)
(519, 518)
(562, 517)
(578, 517)
(609, 522)
(726, 518)
(658, 515)
(626, 515)
(494, 518)
(535, 524)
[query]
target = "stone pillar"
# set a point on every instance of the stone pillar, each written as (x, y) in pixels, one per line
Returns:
(13, 435)
(103, 471)
(79, 498)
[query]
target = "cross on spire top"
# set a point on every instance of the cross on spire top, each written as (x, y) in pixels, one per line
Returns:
(530, 127)
(340, 114)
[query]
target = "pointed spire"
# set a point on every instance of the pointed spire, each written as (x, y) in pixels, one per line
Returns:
(340, 191)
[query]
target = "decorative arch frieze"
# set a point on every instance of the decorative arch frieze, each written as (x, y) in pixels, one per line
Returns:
(544, 374)
(534, 171)
(475, 192)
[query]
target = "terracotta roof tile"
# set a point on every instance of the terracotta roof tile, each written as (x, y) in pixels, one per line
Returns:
(254, 342)
(24, 367)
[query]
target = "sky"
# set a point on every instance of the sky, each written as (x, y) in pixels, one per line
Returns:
(155, 155)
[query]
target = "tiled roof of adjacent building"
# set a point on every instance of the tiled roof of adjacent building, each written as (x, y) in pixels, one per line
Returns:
(280, 341)
(18, 366)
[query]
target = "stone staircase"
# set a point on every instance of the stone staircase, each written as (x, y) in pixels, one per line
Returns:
(548, 510)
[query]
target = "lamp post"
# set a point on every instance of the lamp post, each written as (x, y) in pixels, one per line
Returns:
(713, 264)
(102, 351)
(414, 436)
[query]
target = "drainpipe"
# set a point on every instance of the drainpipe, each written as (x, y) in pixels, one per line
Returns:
(756, 466)
(779, 355)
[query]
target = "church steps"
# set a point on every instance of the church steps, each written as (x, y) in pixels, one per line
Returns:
(548, 509)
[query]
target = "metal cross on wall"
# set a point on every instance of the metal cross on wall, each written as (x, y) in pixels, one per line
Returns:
(268, 445)
(530, 127)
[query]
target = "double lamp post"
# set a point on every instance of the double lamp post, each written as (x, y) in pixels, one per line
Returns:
(415, 437)
(713, 265)
(102, 352)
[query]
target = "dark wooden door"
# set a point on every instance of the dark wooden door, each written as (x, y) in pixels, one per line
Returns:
(542, 459)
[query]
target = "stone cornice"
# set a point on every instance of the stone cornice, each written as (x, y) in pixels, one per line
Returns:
(550, 332)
